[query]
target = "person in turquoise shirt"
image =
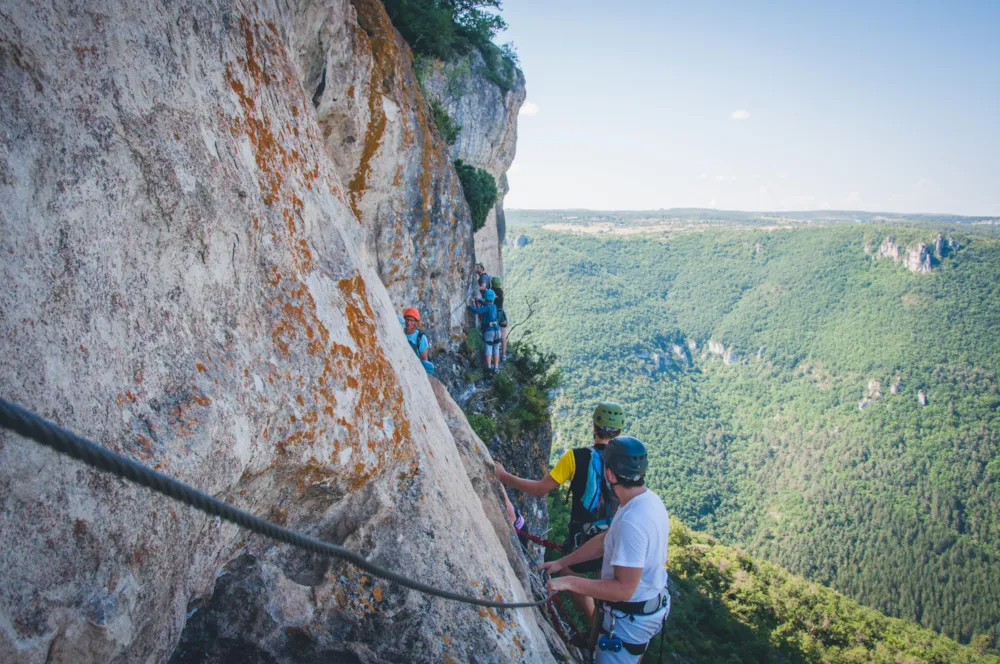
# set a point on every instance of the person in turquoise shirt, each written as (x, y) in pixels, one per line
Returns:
(417, 339)
(490, 328)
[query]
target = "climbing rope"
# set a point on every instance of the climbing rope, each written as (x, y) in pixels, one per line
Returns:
(30, 425)
(561, 611)
(541, 541)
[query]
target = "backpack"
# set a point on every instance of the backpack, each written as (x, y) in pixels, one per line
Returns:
(593, 503)
(416, 346)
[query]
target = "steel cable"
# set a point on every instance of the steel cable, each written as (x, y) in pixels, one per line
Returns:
(30, 425)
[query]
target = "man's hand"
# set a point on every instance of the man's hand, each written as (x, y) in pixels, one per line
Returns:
(553, 567)
(560, 583)
(500, 470)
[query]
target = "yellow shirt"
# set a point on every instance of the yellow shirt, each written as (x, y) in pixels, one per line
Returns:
(565, 469)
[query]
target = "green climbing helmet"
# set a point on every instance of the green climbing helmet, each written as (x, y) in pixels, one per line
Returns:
(626, 457)
(497, 282)
(609, 415)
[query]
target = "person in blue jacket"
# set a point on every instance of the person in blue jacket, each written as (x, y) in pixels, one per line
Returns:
(490, 328)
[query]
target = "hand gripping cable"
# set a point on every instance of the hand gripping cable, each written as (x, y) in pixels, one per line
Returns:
(30, 425)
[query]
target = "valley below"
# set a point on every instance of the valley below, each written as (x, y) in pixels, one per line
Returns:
(824, 397)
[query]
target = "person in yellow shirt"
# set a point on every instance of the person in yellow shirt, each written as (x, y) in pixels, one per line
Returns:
(592, 504)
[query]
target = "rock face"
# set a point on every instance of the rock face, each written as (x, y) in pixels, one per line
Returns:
(187, 281)
(488, 116)
(716, 347)
(376, 128)
(916, 259)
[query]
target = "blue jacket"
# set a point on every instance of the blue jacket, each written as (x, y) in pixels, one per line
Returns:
(487, 313)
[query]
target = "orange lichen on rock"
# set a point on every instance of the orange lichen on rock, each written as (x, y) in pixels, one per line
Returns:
(373, 139)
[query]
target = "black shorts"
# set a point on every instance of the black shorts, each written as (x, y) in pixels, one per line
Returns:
(588, 566)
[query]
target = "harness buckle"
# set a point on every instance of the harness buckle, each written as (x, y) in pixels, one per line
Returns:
(609, 642)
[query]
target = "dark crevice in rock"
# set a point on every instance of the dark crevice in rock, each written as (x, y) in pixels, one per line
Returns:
(318, 95)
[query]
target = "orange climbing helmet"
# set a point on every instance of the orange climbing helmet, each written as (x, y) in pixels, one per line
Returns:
(412, 313)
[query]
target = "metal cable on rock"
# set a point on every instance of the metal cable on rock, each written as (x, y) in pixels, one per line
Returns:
(30, 425)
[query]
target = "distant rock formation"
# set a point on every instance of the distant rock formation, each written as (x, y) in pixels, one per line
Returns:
(716, 347)
(944, 246)
(522, 241)
(874, 389)
(922, 398)
(896, 386)
(917, 258)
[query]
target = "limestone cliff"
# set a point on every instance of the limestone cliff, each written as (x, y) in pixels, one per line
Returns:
(488, 116)
(199, 203)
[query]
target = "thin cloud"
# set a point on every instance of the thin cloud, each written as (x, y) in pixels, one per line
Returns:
(740, 115)
(726, 178)
(529, 110)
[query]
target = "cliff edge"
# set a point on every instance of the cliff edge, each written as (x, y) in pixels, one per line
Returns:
(194, 272)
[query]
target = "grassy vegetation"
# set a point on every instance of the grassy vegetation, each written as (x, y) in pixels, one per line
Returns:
(450, 29)
(480, 190)
(895, 505)
(447, 128)
(519, 397)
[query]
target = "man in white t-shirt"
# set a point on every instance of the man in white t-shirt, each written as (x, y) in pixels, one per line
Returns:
(633, 583)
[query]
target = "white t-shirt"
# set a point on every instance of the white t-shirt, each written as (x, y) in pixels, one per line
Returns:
(638, 538)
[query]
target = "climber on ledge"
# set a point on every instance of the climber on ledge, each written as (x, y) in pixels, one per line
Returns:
(633, 584)
(491, 330)
(592, 504)
(417, 339)
(501, 317)
(482, 279)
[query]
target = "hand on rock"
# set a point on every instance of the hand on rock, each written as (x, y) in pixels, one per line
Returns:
(500, 470)
(552, 567)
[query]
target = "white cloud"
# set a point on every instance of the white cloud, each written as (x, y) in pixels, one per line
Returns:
(740, 115)
(763, 189)
(514, 168)
(528, 110)
(726, 178)
(703, 176)
(782, 176)
(921, 183)
(824, 205)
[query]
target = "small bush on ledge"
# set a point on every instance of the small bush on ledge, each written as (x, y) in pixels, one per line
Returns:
(480, 191)
(447, 128)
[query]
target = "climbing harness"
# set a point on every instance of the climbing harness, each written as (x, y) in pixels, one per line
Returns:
(609, 642)
(49, 434)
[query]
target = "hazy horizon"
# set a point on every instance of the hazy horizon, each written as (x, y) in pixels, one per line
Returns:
(508, 208)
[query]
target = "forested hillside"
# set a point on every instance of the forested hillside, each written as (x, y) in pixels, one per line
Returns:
(730, 607)
(780, 379)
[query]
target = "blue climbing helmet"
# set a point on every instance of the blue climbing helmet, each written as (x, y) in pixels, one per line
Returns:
(626, 457)
(490, 295)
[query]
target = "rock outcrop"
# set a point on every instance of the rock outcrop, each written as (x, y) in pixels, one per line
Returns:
(916, 259)
(193, 254)
(488, 117)
(400, 183)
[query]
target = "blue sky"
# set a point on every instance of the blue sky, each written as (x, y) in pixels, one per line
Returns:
(790, 106)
